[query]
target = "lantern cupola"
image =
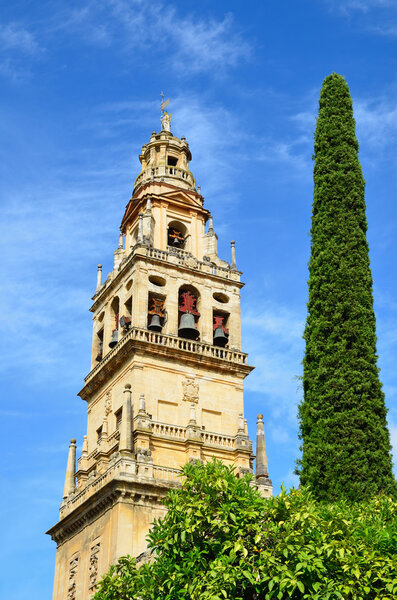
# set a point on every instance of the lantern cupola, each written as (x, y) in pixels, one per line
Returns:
(166, 158)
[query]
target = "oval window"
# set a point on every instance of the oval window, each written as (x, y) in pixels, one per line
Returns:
(157, 280)
(219, 297)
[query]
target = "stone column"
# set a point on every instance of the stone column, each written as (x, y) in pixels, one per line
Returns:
(233, 255)
(70, 470)
(140, 229)
(99, 277)
(262, 470)
(125, 444)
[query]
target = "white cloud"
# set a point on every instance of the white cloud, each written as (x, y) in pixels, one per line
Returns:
(16, 45)
(186, 44)
(376, 122)
(364, 6)
(273, 338)
(15, 37)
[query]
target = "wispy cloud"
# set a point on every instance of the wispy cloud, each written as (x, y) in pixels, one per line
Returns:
(273, 338)
(15, 37)
(187, 44)
(378, 17)
(364, 6)
(16, 45)
(376, 122)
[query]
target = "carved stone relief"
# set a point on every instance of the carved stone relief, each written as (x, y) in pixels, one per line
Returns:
(72, 586)
(190, 390)
(108, 403)
(93, 568)
(191, 262)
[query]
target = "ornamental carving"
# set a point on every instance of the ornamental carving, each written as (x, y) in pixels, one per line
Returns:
(72, 586)
(108, 403)
(93, 568)
(190, 390)
(191, 262)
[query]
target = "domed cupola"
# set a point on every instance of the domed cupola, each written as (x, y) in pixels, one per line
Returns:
(166, 158)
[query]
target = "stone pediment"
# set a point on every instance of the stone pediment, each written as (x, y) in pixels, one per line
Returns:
(162, 192)
(184, 197)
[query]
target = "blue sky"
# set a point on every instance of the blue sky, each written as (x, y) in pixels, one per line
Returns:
(80, 88)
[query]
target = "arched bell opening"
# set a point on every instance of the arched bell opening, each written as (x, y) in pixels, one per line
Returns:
(157, 314)
(219, 326)
(177, 235)
(114, 316)
(98, 340)
(189, 315)
(125, 317)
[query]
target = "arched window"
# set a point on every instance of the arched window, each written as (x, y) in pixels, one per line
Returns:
(176, 234)
(188, 305)
(156, 312)
(114, 316)
(220, 331)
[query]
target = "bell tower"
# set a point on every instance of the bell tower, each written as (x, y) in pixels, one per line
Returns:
(167, 372)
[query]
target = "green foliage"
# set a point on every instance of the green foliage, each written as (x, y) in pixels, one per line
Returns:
(345, 440)
(221, 540)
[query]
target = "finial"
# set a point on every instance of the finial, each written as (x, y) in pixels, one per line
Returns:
(125, 443)
(210, 225)
(262, 470)
(70, 470)
(99, 277)
(149, 204)
(199, 189)
(120, 240)
(140, 229)
(241, 422)
(192, 420)
(142, 404)
(233, 252)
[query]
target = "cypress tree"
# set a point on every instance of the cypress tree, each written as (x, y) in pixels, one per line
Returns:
(343, 428)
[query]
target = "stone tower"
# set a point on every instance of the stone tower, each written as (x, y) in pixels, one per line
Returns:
(167, 372)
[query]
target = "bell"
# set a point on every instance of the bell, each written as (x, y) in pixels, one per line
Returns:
(125, 322)
(176, 242)
(115, 339)
(220, 337)
(187, 327)
(155, 323)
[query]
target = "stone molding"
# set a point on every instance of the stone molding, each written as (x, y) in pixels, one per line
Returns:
(144, 341)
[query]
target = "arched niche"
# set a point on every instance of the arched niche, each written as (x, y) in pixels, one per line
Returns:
(188, 312)
(177, 235)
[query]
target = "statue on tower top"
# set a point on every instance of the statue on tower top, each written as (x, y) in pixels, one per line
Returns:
(166, 121)
(165, 117)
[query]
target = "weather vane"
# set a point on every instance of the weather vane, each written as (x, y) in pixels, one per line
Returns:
(165, 117)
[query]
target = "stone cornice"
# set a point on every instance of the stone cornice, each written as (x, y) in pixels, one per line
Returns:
(120, 489)
(159, 257)
(143, 341)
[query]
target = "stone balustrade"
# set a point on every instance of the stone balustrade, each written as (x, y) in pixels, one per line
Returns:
(123, 468)
(174, 256)
(169, 341)
(165, 430)
(165, 171)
